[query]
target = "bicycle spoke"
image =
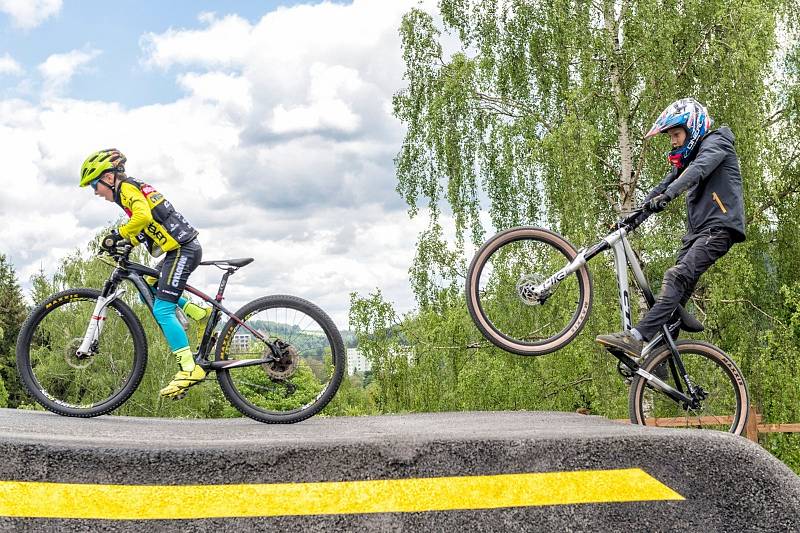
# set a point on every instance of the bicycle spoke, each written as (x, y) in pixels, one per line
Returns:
(80, 384)
(719, 409)
(502, 283)
(296, 377)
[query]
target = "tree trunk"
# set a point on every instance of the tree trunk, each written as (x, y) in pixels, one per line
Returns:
(627, 183)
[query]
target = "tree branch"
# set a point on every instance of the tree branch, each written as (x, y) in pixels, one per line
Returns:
(500, 105)
(754, 306)
(778, 196)
(686, 63)
(570, 385)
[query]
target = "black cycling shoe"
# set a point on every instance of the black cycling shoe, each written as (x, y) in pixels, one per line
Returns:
(622, 341)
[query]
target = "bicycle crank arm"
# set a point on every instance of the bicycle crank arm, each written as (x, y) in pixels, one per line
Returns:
(663, 387)
(634, 367)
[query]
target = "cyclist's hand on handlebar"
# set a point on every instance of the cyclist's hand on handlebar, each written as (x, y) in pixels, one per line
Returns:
(115, 244)
(658, 203)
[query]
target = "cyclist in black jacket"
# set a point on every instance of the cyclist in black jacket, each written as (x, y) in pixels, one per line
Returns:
(706, 167)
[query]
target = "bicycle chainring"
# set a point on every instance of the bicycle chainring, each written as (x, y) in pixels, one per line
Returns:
(624, 371)
(286, 366)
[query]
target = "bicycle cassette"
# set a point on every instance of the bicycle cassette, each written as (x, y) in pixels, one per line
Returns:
(286, 366)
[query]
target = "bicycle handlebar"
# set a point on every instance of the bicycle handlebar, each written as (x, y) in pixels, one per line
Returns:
(635, 217)
(119, 257)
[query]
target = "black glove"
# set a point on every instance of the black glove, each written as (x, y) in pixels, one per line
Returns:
(658, 203)
(114, 243)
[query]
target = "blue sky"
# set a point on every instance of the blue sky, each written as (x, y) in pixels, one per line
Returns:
(115, 28)
(268, 125)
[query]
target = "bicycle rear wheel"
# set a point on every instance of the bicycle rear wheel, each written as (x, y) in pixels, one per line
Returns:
(501, 301)
(309, 373)
(87, 386)
(726, 400)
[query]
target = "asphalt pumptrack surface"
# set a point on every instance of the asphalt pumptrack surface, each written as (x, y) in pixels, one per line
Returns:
(469, 471)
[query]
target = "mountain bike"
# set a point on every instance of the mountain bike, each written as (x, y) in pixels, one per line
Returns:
(82, 352)
(529, 292)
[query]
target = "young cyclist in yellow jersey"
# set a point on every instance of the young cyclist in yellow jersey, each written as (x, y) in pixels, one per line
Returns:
(154, 222)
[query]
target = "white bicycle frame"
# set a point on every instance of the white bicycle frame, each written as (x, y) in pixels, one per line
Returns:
(623, 256)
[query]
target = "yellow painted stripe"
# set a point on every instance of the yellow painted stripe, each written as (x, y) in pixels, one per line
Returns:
(121, 502)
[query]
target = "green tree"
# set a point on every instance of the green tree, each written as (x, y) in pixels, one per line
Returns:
(535, 116)
(80, 270)
(11, 319)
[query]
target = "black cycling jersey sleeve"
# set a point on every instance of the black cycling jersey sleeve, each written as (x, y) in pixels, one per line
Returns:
(661, 187)
(712, 151)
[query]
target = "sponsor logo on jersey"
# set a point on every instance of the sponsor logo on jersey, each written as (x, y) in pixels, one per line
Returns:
(178, 271)
(152, 195)
(156, 233)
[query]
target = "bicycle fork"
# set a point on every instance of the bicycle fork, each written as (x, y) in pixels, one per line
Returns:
(95, 327)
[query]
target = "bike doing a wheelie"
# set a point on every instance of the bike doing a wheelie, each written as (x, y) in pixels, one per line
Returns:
(529, 292)
(83, 352)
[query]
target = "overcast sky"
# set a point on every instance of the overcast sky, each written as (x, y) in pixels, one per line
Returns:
(268, 125)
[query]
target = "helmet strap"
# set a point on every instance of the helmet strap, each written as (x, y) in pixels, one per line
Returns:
(113, 186)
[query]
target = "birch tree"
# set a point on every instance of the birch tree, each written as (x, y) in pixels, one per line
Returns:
(523, 112)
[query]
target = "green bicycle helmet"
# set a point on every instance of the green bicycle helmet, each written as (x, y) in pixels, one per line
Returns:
(97, 163)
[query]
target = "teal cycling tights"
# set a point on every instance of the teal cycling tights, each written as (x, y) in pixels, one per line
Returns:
(164, 313)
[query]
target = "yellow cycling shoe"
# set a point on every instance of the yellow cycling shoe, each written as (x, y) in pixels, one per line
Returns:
(183, 380)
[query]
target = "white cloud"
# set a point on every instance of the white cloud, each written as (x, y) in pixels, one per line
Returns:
(28, 14)
(223, 43)
(326, 109)
(228, 89)
(58, 69)
(281, 150)
(9, 66)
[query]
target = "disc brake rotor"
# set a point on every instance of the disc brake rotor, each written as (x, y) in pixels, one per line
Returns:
(70, 355)
(526, 289)
(286, 367)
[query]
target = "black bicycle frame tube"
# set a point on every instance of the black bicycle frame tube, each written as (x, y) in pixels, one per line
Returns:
(598, 248)
(135, 271)
(218, 307)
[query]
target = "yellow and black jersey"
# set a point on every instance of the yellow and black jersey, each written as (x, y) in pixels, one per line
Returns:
(153, 219)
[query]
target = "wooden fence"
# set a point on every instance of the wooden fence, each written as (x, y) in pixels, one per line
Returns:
(754, 426)
(752, 431)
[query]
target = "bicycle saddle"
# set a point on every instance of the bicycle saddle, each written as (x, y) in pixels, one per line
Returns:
(238, 263)
(689, 323)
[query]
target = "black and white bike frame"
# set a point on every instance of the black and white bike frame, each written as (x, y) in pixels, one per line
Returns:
(625, 257)
(135, 273)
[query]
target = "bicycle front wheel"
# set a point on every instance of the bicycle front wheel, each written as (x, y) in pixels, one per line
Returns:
(501, 297)
(87, 385)
(308, 373)
(724, 400)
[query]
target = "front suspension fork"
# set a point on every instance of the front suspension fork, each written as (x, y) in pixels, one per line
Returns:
(95, 326)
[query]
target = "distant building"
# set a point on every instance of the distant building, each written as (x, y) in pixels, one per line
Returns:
(241, 342)
(356, 362)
